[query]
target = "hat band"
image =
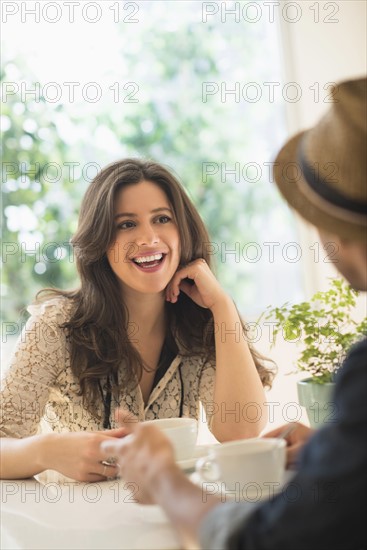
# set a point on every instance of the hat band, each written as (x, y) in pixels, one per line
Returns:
(324, 197)
(324, 189)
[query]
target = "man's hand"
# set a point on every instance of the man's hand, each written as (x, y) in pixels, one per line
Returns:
(146, 458)
(143, 456)
(295, 441)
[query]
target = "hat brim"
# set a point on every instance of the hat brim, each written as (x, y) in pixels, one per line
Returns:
(293, 192)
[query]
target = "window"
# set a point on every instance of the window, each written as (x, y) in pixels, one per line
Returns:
(190, 84)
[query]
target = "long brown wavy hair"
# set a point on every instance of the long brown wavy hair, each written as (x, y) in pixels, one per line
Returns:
(98, 330)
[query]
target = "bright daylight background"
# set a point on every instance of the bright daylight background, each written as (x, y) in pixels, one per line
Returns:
(138, 91)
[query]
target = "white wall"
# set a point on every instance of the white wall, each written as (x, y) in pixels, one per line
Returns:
(322, 52)
(330, 50)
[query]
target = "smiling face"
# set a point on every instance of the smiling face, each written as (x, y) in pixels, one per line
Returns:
(145, 253)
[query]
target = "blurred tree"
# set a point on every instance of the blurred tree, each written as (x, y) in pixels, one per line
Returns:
(39, 203)
(168, 65)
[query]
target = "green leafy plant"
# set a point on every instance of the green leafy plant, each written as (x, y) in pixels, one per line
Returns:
(324, 326)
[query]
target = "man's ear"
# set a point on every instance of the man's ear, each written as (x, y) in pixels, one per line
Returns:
(345, 244)
(352, 247)
(327, 238)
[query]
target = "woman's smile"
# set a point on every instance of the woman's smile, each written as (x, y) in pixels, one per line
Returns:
(150, 262)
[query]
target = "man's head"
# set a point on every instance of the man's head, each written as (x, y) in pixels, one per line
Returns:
(322, 173)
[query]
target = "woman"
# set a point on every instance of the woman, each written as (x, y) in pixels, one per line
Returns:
(149, 329)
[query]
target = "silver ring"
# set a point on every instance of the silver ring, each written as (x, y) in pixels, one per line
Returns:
(109, 461)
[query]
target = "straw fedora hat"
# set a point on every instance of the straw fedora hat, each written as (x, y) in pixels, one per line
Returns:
(322, 172)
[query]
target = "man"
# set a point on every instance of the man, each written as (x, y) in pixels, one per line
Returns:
(322, 174)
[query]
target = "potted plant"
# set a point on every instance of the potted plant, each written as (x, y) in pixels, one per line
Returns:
(325, 329)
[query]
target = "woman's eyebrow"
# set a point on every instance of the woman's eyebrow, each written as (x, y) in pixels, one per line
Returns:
(133, 215)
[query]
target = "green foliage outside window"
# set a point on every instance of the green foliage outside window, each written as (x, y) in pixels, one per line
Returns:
(169, 123)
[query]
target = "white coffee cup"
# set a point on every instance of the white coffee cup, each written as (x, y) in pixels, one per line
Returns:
(246, 465)
(182, 432)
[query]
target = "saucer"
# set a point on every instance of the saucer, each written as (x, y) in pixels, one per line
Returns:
(199, 452)
(248, 493)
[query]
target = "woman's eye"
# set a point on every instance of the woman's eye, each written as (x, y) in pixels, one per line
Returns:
(125, 225)
(164, 219)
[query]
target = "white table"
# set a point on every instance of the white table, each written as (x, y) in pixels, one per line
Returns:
(56, 513)
(61, 514)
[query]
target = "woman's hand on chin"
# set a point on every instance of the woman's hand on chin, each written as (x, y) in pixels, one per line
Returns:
(205, 292)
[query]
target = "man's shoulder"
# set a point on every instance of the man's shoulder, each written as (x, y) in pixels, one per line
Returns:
(351, 383)
(357, 356)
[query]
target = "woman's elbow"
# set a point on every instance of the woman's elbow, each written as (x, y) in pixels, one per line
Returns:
(246, 429)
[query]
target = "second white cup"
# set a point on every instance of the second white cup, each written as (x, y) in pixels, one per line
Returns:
(240, 464)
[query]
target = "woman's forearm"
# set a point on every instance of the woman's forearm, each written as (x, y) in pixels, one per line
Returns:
(72, 454)
(23, 458)
(239, 396)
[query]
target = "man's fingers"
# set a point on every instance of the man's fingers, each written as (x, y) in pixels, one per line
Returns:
(121, 436)
(292, 454)
(112, 447)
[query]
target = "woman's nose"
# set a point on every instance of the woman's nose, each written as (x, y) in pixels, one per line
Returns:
(147, 236)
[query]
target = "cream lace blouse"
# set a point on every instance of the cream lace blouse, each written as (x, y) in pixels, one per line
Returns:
(40, 393)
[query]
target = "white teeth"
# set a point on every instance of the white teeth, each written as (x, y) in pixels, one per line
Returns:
(144, 259)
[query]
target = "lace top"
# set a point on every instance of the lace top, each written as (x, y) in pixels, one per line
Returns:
(40, 392)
